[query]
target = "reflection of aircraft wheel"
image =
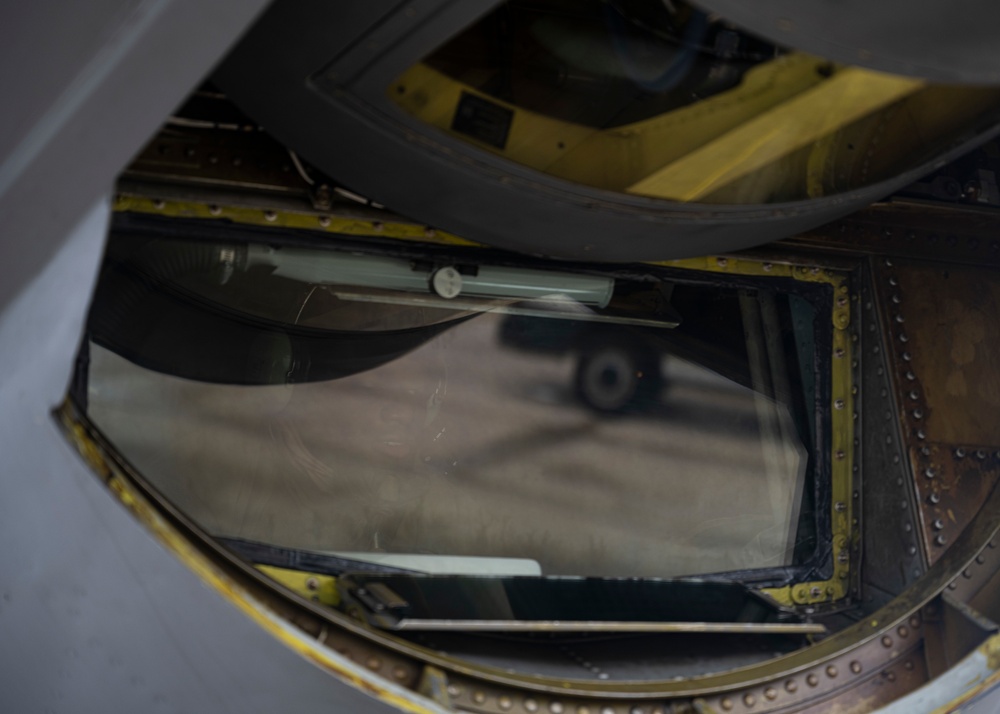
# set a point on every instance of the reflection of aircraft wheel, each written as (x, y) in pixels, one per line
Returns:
(612, 377)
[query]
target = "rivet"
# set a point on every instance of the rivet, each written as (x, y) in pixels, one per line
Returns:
(726, 704)
(454, 690)
(959, 453)
(907, 527)
(214, 210)
(952, 585)
(839, 455)
(831, 671)
(967, 574)
(749, 700)
(980, 454)
(378, 226)
(980, 559)
(940, 540)
(838, 404)
(839, 352)
(771, 693)
(910, 376)
(530, 705)
(925, 450)
(158, 203)
(722, 262)
(930, 472)
(913, 395)
(914, 623)
(887, 641)
(374, 663)
(608, 710)
(270, 215)
(479, 697)
(908, 665)
(934, 498)
(892, 281)
(767, 267)
(895, 299)
(324, 221)
(312, 583)
(840, 506)
(921, 434)
(888, 264)
(856, 667)
(891, 676)
(912, 550)
(399, 673)
(815, 592)
(791, 686)
(505, 703)
(582, 710)
(557, 707)
(903, 337)
(938, 525)
(907, 357)
(899, 319)
(430, 232)
(918, 413)
(812, 680)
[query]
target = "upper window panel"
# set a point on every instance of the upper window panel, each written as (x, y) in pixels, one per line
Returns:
(439, 409)
(657, 99)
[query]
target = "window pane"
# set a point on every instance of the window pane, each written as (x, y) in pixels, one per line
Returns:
(592, 440)
(657, 99)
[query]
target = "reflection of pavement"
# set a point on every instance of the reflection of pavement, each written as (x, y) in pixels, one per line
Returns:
(509, 466)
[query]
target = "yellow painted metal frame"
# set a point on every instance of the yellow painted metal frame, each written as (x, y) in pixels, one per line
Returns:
(305, 218)
(841, 410)
(193, 557)
(841, 407)
(687, 154)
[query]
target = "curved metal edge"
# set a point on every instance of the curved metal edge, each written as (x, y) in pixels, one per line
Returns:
(103, 462)
(354, 133)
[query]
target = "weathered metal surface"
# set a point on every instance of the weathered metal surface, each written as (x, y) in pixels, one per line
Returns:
(892, 555)
(939, 323)
(950, 322)
(958, 234)
(240, 156)
(950, 490)
(951, 631)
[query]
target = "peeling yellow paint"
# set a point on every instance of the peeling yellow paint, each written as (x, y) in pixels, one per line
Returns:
(218, 580)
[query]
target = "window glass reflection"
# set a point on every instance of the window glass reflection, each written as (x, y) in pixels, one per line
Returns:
(588, 446)
(657, 99)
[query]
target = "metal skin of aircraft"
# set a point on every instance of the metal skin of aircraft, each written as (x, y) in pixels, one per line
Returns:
(698, 325)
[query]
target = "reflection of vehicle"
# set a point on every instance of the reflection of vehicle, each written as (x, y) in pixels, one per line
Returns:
(117, 597)
(616, 367)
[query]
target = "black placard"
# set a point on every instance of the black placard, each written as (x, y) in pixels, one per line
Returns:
(482, 120)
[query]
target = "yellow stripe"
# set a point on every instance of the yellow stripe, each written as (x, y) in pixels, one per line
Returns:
(849, 95)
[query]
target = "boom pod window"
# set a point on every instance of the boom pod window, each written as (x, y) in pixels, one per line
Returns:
(469, 414)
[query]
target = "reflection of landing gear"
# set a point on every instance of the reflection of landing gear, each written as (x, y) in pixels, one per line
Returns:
(614, 377)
